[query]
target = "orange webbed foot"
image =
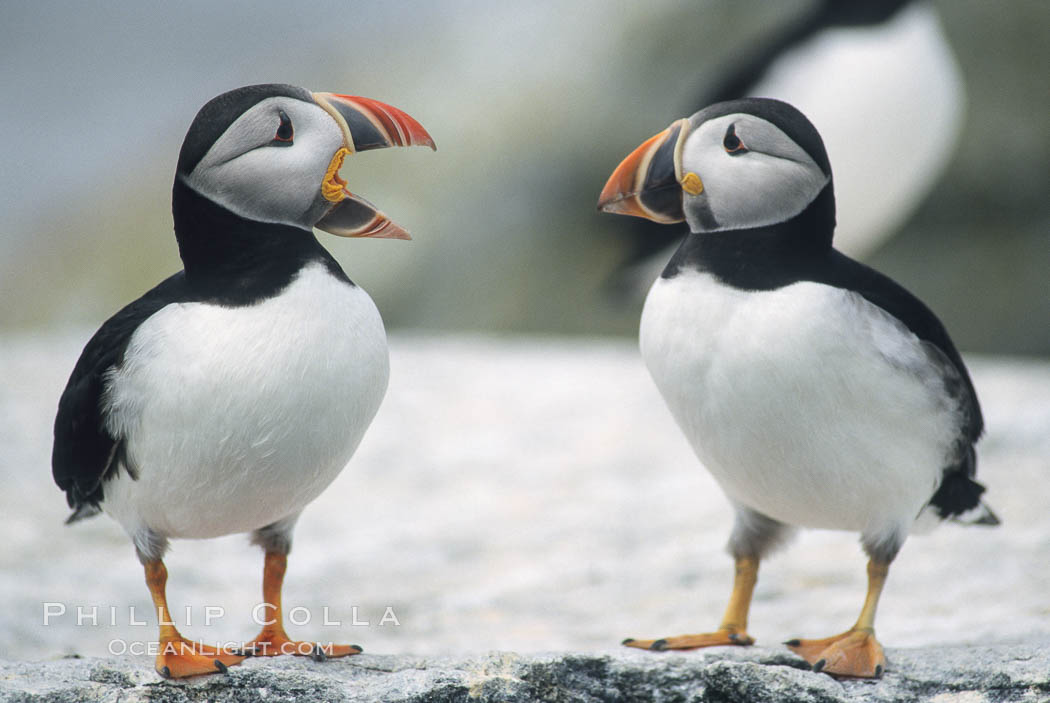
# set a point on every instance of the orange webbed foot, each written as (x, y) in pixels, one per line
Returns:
(278, 644)
(719, 638)
(273, 641)
(179, 658)
(854, 653)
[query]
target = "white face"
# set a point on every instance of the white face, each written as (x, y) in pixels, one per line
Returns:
(760, 178)
(255, 175)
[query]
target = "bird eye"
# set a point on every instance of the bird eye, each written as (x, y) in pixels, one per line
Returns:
(283, 137)
(732, 143)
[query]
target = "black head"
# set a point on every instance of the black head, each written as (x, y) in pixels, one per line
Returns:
(223, 110)
(271, 153)
(736, 165)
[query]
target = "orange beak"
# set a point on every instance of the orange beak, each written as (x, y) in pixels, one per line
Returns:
(366, 124)
(370, 124)
(646, 183)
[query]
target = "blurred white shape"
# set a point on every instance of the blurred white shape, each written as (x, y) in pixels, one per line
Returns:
(888, 100)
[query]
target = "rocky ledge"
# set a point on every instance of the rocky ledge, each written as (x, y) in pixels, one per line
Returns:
(944, 674)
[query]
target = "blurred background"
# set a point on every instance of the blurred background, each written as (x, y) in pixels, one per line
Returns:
(532, 105)
(524, 491)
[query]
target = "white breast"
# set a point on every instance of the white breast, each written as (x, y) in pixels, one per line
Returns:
(237, 417)
(807, 403)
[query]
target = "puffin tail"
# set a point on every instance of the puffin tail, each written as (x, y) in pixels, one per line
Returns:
(959, 499)
(980, 515)
(83, 512)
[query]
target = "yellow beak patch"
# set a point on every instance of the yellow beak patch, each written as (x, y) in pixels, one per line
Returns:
(692, 184)
(333, 187)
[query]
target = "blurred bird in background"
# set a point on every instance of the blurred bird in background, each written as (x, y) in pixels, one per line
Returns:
(567, 83)
(880, 82)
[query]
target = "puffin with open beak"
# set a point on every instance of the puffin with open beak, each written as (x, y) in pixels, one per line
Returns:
(817, 392)
(228, 397)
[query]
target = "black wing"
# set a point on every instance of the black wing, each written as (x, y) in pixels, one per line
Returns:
(882, 291)
(958, 493)
(85, 453)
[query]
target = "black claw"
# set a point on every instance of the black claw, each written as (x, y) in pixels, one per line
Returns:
(221, 667)
(819, 666)
(628, 640)
(878, 671)
(165, 672)
(358, 647)
(793, 643)
(658, 645)
(318, 654)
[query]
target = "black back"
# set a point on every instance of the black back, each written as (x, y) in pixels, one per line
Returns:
(84, 453)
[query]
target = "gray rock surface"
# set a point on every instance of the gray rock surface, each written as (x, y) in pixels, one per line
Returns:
(516, 494)
(527, 495)
(987, 674)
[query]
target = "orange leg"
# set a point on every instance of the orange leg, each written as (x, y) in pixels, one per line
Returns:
(732, 631)
(179, 657)
(273, 640)
(855, 652)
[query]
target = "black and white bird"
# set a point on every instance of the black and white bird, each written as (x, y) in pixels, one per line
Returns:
(228, 397)
(817, 392)
(844, 63)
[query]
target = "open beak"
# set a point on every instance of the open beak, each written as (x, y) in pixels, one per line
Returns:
(366, 124)
(648, 182)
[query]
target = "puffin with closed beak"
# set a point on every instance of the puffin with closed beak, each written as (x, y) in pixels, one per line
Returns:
(228, 397)
(818, 392)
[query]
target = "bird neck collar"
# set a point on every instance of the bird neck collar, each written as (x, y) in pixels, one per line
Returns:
(225, 254)
(762, 257)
